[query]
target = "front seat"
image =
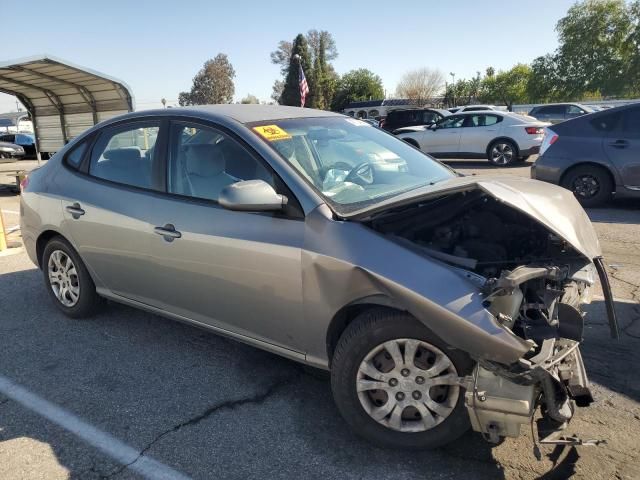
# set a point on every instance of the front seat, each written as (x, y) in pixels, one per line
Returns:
(206, 170)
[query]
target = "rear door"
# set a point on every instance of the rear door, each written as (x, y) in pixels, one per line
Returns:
(622, 146)
(445, 139)
(108, 204)
(478, 131)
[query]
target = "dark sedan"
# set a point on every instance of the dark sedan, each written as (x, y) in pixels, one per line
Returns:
(595, 156)
(10, 150)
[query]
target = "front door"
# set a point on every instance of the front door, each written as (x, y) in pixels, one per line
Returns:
(622, 146)
(444, 139)
(238, 271)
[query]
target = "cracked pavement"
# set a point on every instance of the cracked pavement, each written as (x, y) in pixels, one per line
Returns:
(209, 407)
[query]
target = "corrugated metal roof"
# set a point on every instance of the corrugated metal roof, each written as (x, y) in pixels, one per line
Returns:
(62, 98)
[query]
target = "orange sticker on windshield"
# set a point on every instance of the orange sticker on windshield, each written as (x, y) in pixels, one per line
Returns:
(272, 132)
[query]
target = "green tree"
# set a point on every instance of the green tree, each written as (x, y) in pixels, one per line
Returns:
(212, 84)
(299, 58)
(545, 83)
(593, 53)
(490, 72)
(507, 87)
(357, 85)
(321, 76)
(250, 99)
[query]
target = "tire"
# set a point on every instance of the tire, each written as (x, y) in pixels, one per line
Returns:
(364, 337)
(502, 153)
(591, 185)
(55, 264)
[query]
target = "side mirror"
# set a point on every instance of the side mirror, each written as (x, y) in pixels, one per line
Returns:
(252, 196)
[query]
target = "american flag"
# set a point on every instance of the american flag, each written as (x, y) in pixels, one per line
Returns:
(304, 86)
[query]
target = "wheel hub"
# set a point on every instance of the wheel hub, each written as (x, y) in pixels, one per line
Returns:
(586, 186)
(407, 385)
(63, 278)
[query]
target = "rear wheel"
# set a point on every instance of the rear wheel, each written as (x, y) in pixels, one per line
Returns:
(396, 384)
(502, 153)
(591, 185)
(68, 281)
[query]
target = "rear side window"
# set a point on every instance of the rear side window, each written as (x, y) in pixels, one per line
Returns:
(126, 155)
(606, 123)
(482, 120)
(574, 110)
(552, 110)
(75, 156)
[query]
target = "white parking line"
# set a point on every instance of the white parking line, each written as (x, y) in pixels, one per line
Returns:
(106, 443)
(12, 212)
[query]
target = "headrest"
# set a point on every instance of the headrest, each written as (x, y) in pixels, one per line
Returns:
(122, 156)
(204, 159)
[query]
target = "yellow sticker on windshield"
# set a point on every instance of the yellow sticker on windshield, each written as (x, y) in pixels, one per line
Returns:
(272, 132)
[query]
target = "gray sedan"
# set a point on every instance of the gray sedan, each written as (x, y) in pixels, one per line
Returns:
(438, 302)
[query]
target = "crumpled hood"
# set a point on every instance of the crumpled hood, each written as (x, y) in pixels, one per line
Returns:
(553, 206)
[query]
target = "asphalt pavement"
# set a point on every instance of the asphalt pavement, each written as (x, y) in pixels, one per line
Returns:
(128, 394)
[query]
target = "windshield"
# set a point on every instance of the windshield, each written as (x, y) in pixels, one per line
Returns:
(349, 162)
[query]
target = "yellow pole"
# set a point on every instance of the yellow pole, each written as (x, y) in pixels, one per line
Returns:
(3, 234)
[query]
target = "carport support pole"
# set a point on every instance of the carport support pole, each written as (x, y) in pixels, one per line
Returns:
(3, 234)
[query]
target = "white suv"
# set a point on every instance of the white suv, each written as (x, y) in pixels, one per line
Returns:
(501, 137)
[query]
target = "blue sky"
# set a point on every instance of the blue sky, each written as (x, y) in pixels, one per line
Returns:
(157, 47)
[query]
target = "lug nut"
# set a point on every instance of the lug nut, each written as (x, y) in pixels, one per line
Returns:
(393, 382)
(399, 396)
(419, 380)
(416, 395)
(405, 372)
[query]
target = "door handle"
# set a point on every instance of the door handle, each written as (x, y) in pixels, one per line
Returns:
(169, 232)
(75, 210)
(619, 144)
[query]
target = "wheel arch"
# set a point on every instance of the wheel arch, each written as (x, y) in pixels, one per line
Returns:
(350, 312)
(42, 241)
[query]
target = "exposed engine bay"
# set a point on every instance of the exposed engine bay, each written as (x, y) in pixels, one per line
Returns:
(533, 282)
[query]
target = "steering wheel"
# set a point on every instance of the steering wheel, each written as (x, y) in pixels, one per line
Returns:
(361, 174)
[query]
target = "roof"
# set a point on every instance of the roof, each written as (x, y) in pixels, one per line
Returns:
(248, 113)
(63, 98)
(389, 102)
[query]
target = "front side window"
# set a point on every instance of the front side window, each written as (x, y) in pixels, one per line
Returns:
(452, 122)
(574, 110)
(204, 160)
(351, 164)
(126, 154)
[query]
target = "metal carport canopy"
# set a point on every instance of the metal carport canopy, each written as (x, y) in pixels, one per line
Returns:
(62, 98)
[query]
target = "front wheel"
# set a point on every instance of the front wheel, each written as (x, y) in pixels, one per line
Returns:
(396, 384)
(502, 153)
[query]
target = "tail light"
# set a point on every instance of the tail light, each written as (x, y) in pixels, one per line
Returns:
(550, 137)
(24, 183)
(535, 130)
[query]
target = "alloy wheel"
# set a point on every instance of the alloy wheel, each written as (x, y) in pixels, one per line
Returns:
(63, 278)
(407, 385)
(502, 153)
(586, 186)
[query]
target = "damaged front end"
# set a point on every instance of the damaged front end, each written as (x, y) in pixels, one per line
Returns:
(533, 279)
